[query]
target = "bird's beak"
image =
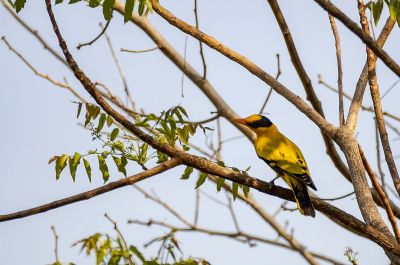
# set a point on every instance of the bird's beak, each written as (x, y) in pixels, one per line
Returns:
(241, 121)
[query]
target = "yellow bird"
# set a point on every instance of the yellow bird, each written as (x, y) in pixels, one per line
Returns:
(284, 157)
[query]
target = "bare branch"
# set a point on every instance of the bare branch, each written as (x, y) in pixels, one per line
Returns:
(339, 65)
(35, 33)
(356, 102)
(278, 73)
(376, 99)
(339, 197)
(332, 212)
(373, 45)
(80, 45)
(203, 60)
(120, 72)
(363, 107)
(242, 237)
(157, 200)
(139, 51)
(44, 76)
(382, 195)
(55, 243)
(92, 193)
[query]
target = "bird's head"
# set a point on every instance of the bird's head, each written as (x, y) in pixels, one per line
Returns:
(257, 123)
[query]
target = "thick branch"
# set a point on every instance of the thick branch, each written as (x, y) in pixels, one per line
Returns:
(376, 99)
(356, 102)
(93, 193)
(373, 45)
(325, 126)
(208, 167)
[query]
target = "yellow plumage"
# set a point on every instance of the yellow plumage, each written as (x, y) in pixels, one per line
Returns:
(284, 157)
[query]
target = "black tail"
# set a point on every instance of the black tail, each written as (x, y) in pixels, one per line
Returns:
(303, 201)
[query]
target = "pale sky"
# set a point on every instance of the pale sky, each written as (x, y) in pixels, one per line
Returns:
(39, 122)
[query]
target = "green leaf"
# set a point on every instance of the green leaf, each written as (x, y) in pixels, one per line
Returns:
(235, 188)
(88, 169)
(108, 7)
(102, 120)
(61, 163)
(393, 8)
(142, 156)
(138, 254)
(220, 183)
(161, 157)
(141, 8)
(183, 111)
(187, 172)
(103, 168)
(183, 135)
(377, 11)
(110, 121)
(59, 1)
(114, 134)
(73, 164)
(202, 178)
(19, 4)
(246, 191)
(120, 164)
(129, 6)
(74, 1)
(79, 109)
(94, 3)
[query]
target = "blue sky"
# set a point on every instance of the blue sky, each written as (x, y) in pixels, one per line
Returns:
(39, 122)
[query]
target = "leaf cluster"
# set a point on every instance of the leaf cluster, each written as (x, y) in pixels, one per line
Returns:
(143, 7)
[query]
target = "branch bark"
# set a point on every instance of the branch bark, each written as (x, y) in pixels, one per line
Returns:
(203, 165)
(92, 193)
(351, 25)
(376, 99)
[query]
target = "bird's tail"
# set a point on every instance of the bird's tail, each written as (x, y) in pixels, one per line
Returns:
(301, 196)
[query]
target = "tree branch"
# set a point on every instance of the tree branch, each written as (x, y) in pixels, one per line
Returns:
(376, 99)
(201, 164)
(339, 66)
(373, 45)
(92, 193)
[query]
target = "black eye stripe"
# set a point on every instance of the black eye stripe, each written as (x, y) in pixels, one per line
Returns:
(263, 122)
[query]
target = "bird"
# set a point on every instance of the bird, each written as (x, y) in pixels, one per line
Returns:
(284, 157)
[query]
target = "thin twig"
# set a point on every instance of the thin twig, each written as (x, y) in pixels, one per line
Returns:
(203, 60)
(35, 33)
(139, 51)
(127, 259)
(197, 207)
(120, 71)
(338, 198)
(184, 66)
(44, 76)
(163, 204)
(364, 36)
(232, 212)
(378, 158)
(80, 45)
(382, 195)
(339, 66)
(390, 89)
(363, 107)
(331, 211)
(278, 74)
(242, 237)
(55, 243)
(94, 192)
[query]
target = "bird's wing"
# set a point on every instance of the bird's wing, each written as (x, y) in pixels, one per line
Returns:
(288, 158)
